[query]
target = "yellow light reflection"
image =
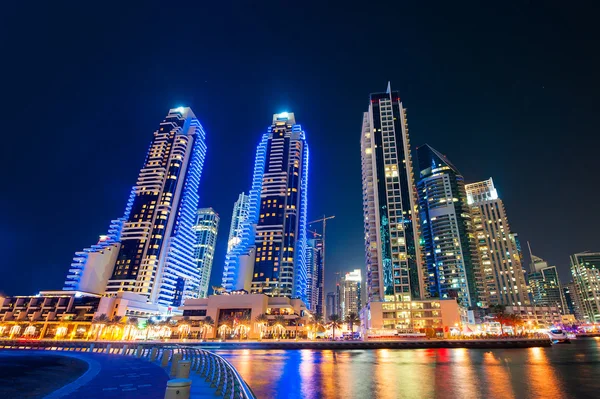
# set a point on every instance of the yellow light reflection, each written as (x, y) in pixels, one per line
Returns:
(541, 376)
(497, 377)
(412, 367)
(461, 371)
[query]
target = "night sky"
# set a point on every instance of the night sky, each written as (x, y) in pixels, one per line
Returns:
(508, 90)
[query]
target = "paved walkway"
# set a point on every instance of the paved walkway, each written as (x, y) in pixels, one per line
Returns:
(114, 376)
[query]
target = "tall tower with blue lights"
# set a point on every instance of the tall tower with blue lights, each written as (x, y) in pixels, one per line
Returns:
(280, 266)
(238, 239)
(451, 253)
(156, 254)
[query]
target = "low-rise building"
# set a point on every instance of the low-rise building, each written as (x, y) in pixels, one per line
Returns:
(540, 315)
(245, 315)
(69, 314)
(419, 316)
(48, 314)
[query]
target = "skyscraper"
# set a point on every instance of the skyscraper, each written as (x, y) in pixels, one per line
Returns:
(585, 268)
(545, 285)
(206, 228)
(280, 262)
(351, 301)
(573, 301)
(239, 261)
(392, 249)
(331, 304)
(314, 263)
(92, 267)
(501, 262)
(239, 217)
(451, 256)
(156, 257)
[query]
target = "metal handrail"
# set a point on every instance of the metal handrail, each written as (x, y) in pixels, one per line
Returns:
(221, 373)
(245, 390)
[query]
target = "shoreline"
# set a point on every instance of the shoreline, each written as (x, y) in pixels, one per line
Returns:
(507, 343)
(416, 344)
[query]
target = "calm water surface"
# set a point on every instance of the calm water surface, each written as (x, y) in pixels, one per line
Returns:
(562, 371)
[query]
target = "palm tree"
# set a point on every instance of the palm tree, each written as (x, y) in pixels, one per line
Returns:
(279, 323)
(101, 320)
(515, 321)
(296, 321)
(208, 323)
(334, 322)
(131, 323)
(502, 318)
(316, 323)
(262, 321)
(217, 290)
(225, 324)
(115, 324)
(184, 326)
(150, 324)
(353, 320)
(243, 325)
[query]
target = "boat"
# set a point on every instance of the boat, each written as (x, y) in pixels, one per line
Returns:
(558, 336)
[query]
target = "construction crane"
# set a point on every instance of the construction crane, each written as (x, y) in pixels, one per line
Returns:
(315, 234)
(323, 220)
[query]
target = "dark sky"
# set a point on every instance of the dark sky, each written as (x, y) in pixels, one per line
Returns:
(506, 89)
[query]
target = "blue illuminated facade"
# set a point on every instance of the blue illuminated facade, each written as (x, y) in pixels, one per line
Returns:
(239, 260)
(280, 266)
(451, 257)
(91, 267)
(156, 256)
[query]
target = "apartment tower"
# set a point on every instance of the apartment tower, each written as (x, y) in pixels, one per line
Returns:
(206, 228)
(156, 255)
(391, 223)
(501, 262)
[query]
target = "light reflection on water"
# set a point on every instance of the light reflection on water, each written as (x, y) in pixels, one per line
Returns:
(557, 372)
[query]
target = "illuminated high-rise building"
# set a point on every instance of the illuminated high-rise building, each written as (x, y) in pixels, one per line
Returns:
(585, 268)
(280, 261)
(156, 256)
(391, 222)
(453, 263)
(501, 262)
(92, 267)
(239, 218)
(331, 305)
(206, 228)
(314, 268)
(351, 293)
(544, 284)
(573, 300)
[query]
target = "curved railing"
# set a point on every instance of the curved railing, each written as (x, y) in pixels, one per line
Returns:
(218, 371)
(214, 369)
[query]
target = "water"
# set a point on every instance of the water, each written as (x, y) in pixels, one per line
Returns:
(562, 371)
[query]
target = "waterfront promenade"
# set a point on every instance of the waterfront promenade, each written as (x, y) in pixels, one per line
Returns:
(106, 376)
(120, 369)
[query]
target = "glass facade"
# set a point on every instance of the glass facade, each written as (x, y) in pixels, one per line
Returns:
(545, 286)
(156, 258)
(585, 268)
(280, 267)
(453, 264)
(392, 247)
(499, 248)
(206, 228)
(314, 263)
(239, 260)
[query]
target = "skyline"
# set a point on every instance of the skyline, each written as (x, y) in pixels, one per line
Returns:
(496, 103)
